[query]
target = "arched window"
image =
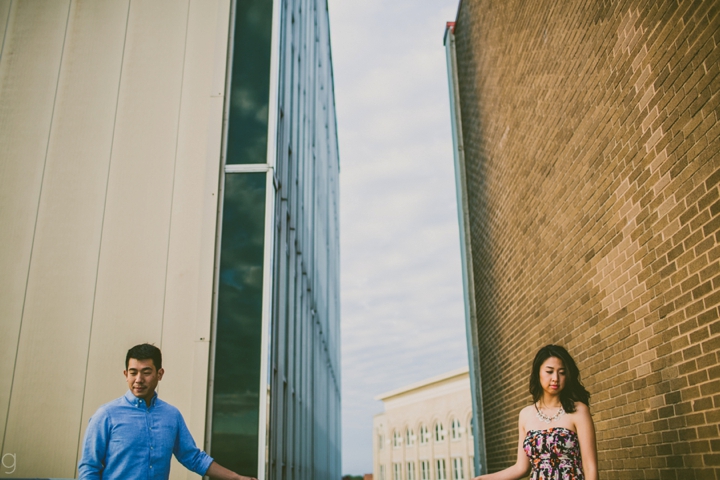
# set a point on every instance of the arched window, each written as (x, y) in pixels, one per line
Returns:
(397, 439)
(439, 432)
(409, 437)
(455, 429)
(424, 434)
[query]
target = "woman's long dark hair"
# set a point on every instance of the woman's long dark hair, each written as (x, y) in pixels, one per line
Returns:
(574, 391)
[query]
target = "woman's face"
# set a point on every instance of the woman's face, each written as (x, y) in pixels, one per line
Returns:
(552, 376)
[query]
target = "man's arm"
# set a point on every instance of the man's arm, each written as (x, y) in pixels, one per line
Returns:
(198, 461)
(221, 473)
(94, 450)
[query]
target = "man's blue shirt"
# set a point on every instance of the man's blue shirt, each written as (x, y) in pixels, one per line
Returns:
(128, 440)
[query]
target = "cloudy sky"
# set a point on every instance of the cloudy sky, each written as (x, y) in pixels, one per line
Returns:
(402, 307)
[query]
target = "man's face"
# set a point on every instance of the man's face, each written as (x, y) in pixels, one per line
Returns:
(142, 377)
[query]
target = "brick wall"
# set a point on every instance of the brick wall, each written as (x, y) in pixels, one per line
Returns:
(592, 140)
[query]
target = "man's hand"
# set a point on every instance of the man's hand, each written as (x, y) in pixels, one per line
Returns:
(218, 471)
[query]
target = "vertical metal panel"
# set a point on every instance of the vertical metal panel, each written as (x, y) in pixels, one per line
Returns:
(129, 302)
(61, 281)
(84, 119)
(29, 69)
(191, 248)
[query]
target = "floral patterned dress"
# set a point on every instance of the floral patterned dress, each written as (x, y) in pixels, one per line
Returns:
(554, 454)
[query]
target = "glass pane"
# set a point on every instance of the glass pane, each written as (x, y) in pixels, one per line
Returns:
(250, 85)
(239, 324)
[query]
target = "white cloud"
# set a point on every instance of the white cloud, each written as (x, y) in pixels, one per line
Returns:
(402, 310)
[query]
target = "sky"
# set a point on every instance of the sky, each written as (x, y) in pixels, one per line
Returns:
(401, 280)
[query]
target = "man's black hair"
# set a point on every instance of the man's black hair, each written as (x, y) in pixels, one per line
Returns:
(143, 352)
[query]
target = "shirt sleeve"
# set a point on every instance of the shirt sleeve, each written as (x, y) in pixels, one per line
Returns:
(94, 450)
(187, 453)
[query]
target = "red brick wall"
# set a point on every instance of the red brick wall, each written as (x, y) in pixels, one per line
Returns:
(592, 143)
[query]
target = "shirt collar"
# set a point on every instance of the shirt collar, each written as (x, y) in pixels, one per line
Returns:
(139, 402)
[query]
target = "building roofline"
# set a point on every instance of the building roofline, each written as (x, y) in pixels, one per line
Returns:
(424, 383)
(450, 26)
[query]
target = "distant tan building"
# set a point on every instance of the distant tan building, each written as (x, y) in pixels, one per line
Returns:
(426, 430)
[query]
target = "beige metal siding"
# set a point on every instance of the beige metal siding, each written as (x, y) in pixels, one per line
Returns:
(29, 70)
(52, 354)
(124, 245)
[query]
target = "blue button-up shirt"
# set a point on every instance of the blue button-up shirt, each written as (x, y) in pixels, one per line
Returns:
(128, 440)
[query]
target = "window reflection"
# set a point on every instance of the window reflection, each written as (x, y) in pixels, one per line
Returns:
(239, 324)
(250, 83)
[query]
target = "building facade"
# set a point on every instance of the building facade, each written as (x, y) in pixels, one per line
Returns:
(169, 174)
(588, 163)
(425, 432)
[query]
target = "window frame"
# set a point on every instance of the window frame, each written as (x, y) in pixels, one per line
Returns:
(425, 472)
(410, 471)
(440, 433)
(455, 429)
(409, 437)
(397, 471)
(458, 471)
(424, 434)
(439, 471)
(397, 439)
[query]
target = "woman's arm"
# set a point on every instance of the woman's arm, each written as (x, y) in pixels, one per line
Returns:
(522, 464)
(586, 435)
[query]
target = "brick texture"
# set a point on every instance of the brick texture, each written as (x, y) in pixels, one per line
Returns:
(592, 140)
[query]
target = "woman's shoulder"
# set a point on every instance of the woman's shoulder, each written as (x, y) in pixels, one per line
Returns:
(581, 410)
(527, 412)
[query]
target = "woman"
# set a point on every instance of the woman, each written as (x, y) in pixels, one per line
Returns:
(557, 435)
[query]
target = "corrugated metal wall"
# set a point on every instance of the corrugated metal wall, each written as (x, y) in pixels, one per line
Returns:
(110, 137)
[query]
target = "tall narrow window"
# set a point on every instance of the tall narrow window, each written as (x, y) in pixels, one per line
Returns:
(397, 471)
(439, 432)
(381, 472)
(440, 466)
(411, 471)
(236, 396)
(397, 439)
(250, 83)
(424, 434)
(458, 472)
(236, 386)
(455, 429)
(409, 437)
(381, 440)
(424, 470)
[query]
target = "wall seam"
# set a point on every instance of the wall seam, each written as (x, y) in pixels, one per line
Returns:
(37, 211)
(7, 24)
(172, 192)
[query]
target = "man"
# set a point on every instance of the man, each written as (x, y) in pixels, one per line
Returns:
(134, 436)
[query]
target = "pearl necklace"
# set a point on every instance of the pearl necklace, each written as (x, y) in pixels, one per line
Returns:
(544, 418)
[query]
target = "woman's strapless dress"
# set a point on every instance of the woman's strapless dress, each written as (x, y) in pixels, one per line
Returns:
(554, 454)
